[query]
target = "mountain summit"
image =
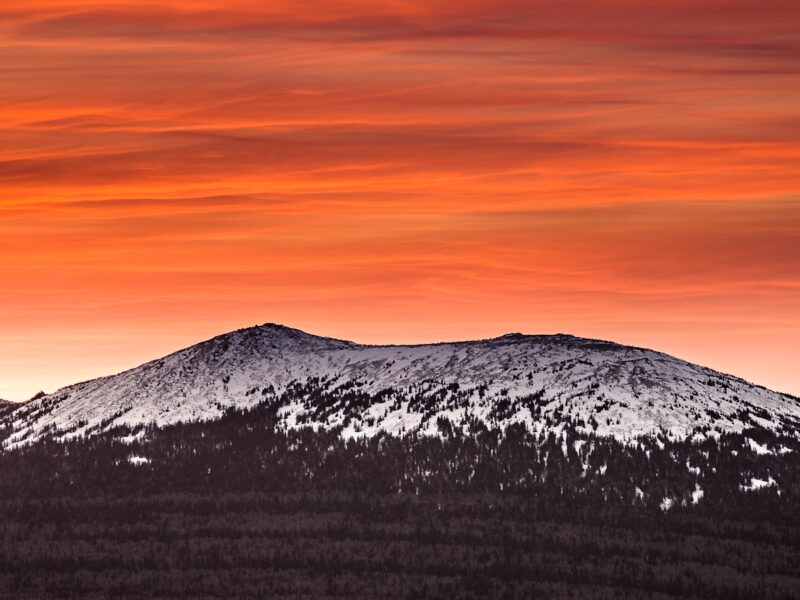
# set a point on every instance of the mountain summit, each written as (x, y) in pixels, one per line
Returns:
(538, 381)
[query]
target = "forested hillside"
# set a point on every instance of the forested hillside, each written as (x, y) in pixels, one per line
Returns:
(240, 507)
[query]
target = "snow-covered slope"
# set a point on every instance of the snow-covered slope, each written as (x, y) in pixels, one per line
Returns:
(540, 381)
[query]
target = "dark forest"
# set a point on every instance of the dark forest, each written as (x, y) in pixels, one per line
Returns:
(240, 508)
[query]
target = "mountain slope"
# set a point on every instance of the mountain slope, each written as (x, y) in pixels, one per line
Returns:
(7, 406)
(540, 381)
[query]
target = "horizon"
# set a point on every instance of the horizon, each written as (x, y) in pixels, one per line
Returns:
(398, 172)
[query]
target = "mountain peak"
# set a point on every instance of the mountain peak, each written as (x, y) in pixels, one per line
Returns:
(513, 336)
(517, 336)
(277, 328)
(270, 336)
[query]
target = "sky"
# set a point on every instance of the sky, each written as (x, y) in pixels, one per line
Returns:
(398, 172)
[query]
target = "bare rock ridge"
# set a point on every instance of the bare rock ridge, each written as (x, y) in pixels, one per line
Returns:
(540, 381)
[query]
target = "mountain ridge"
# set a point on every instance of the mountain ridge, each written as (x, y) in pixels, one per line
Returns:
(539, 381)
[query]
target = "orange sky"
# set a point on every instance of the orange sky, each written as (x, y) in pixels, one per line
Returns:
(398, 171)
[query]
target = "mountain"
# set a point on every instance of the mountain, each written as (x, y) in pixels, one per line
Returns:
(254, 465)
(540, 381)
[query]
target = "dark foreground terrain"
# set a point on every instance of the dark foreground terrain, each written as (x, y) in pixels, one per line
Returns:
(236, 509)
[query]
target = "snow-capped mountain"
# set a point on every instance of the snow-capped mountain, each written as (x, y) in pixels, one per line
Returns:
(540, 381)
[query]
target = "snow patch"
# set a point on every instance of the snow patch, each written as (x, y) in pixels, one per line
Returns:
(134, 437)
(757, 484)
(758, 448)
